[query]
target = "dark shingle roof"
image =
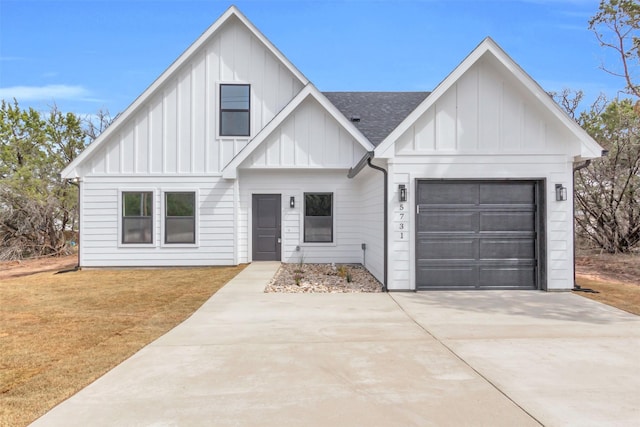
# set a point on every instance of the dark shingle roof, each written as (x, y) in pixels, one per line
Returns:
(379, 112)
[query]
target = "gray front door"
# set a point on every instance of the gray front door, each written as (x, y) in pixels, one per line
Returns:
(266, 227)
(477, 235)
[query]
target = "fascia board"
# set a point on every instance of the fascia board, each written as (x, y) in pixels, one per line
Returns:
(71, 170)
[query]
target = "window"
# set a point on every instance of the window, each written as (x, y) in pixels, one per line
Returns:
(234, 110)
(180, 219)
(318, 217)
(137, 212)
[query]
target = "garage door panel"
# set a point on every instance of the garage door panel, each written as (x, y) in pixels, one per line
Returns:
(515, 277)
(488, 240)
(446, 277)
(524, 249)
(447, 221)
(507, 193)
(439, 193)
(507, 221)
(437, 249)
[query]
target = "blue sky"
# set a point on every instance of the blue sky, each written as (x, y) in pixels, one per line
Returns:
(86, 55)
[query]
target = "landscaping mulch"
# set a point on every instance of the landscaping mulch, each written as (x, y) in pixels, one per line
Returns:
(323, 278)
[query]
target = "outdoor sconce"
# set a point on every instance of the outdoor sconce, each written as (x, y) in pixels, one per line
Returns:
(403, 192)
(561, 193)
(292, 202)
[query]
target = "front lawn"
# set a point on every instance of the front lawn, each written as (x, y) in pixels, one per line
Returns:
(60, 332)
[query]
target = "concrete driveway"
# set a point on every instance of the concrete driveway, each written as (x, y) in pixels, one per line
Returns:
(403, 359)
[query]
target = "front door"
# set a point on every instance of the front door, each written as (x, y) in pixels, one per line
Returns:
(266, 227)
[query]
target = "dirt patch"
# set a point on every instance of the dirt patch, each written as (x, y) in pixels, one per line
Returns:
(622, 268)
(323, 278)
(9, 269)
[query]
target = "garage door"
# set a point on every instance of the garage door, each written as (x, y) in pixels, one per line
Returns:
(476, 235)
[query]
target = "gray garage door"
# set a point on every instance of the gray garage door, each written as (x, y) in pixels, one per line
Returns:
(476, 235)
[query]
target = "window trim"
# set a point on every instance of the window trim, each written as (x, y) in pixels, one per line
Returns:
(163, 216)
(332, 242)
(222, 110)
(121, 193)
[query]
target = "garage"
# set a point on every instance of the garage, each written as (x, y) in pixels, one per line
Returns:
(478, 234)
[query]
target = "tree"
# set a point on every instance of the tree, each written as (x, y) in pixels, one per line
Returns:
(37, 207)
(617, 27)
(608, 191)
(95, 125)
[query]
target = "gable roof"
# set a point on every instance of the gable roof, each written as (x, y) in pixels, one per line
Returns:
(376, 114)
(232, 12)
(309, 91)
(589, 147)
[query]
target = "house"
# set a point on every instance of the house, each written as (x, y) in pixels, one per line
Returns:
(233, 156)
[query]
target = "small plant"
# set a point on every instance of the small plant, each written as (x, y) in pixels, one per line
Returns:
(342, 271)
(298, 273)
(300, 268)
(348, 277)
(297, 277)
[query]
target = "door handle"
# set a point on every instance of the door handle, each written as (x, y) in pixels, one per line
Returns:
(279, 240)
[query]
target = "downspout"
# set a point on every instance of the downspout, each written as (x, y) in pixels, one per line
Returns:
(386, 222)
(576, 287)
(76, 183)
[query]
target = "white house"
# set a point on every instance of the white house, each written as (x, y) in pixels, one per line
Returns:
(233, 156)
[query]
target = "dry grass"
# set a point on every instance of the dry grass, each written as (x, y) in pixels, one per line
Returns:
(615, 277)
(624, 296)
(61, 332)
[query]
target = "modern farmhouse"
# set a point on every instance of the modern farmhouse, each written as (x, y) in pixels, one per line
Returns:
(233, 156)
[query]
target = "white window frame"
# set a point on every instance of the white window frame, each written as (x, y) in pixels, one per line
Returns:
(334, 237)
(196, 218)
(218, 117)
(154, 213)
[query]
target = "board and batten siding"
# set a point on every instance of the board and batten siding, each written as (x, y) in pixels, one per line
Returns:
(347, 211)
(309, 137)
(487, 112)
(485, 126)
(100, 223)
(176, 131)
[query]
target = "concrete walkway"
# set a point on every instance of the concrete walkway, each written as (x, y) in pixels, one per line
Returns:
(404, 359)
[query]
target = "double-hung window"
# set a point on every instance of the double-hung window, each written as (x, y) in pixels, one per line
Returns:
(180, 219)
(137, 217)
(235, 109)
(318, 217)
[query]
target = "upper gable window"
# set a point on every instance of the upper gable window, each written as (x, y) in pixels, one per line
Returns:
(234, 109)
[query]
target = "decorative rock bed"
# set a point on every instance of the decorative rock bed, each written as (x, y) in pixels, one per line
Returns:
(323, 278)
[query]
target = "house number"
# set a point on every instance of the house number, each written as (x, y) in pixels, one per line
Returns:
(401, 226)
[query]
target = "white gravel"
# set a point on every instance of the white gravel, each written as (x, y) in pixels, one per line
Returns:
(323, 278)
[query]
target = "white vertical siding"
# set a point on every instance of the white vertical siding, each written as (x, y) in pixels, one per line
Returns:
(175, 132)
(309, 137)
(485, 112)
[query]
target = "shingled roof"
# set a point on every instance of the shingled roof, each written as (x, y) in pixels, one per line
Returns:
(376, 114)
